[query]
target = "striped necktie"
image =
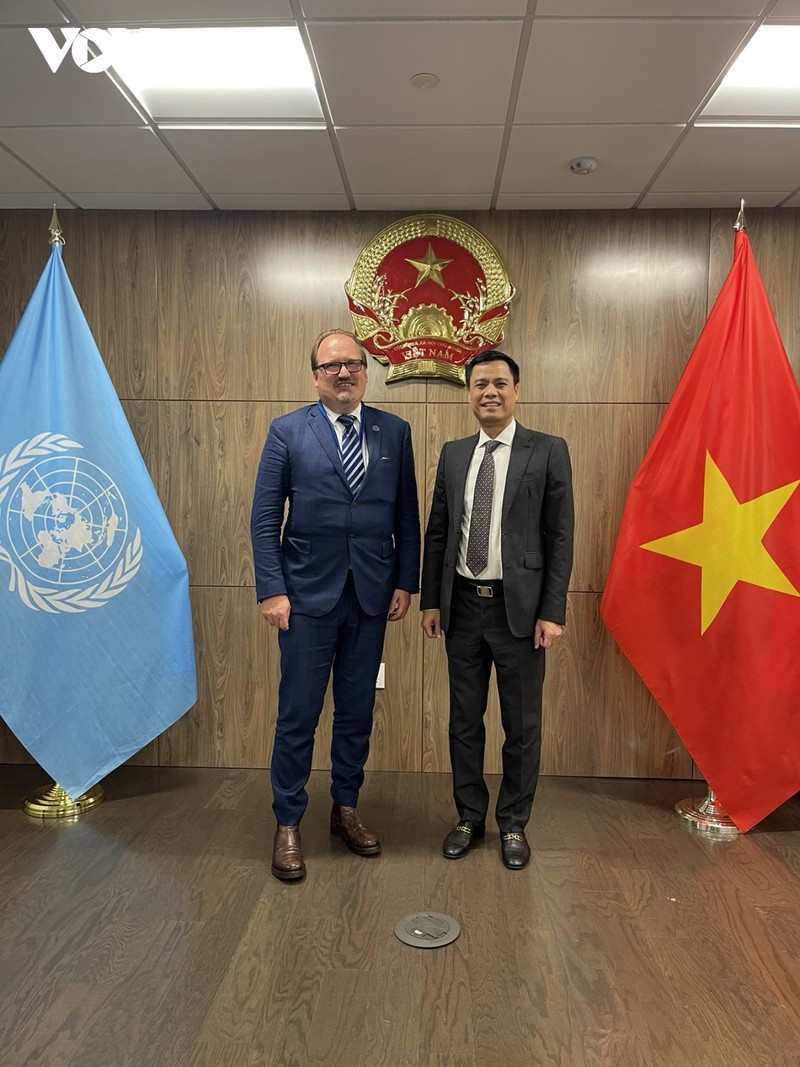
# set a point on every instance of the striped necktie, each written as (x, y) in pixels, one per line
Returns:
(481, 518)
(352, 456)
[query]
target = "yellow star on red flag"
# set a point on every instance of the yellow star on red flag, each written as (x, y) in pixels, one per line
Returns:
(728, 543)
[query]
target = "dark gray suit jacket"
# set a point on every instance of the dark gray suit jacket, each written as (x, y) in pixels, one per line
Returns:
(537, 529)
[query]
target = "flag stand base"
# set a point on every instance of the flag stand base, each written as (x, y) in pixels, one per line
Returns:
(51, 802)
(707, 815)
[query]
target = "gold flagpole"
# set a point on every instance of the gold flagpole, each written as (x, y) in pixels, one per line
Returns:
(56, 236)
(50, 801)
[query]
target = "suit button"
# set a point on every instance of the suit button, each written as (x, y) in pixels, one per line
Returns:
(352, 537)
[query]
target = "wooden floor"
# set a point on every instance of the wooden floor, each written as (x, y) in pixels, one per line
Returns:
(151, 934)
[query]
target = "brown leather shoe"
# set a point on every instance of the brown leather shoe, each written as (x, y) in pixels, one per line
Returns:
(287, 854)
(346, 823)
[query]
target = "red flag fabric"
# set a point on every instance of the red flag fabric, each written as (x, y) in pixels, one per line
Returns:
(703, 595)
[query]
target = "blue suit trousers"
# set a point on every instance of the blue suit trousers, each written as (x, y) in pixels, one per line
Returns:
(349, 643)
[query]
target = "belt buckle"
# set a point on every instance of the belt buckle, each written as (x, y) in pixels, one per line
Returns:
(484, 590)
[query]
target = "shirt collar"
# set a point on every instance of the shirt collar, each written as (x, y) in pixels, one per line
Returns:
(504, 438)
(334, 415)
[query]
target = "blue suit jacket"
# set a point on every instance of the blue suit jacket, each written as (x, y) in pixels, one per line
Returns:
(327, 532)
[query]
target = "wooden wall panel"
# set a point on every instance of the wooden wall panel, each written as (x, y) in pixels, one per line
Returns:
(110, 259)
(24, 250)
(211, 453)
(231, 725)
(608, 304)
(599, 718)
(205, 321)
(243, 297)
(775, 240)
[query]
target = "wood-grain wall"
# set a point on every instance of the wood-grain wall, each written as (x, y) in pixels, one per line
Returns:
(205, 321)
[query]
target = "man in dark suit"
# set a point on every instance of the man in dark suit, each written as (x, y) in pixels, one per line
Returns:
(328, 576)
(498, 556)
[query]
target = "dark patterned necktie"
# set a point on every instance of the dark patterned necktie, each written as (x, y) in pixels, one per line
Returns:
(481, 519)
(352, 456)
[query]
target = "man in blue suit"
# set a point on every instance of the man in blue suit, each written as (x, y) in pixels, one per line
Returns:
(328, 577)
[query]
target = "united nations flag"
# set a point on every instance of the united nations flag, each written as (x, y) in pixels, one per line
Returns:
(95, 622)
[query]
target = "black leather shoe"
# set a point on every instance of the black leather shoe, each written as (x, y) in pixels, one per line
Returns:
(461, 839)
(515, 850)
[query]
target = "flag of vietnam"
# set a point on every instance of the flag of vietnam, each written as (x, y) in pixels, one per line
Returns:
(703, 595)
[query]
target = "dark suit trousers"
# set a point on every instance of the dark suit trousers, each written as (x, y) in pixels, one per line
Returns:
(478, 636)
(349, 643)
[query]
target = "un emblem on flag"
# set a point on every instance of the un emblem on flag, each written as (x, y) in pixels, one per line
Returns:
(66, 525)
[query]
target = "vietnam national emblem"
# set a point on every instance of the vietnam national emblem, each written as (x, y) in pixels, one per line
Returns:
(426, 295)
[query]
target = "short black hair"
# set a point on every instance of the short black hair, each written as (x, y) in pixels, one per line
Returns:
(493, 357)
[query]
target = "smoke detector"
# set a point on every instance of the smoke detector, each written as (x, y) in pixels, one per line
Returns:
(583, 165)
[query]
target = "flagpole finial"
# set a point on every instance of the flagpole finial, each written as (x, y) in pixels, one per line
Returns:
(740, 224)
(56, 237)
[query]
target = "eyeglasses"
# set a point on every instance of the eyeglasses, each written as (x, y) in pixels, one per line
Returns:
(353, 366)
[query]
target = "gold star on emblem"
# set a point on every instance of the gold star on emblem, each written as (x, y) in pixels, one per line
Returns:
(429, 267)
(727, 544)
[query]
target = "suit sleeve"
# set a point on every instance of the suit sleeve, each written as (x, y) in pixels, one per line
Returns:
(558, 521)
(435, 541)
(407, 528)
(266, 520)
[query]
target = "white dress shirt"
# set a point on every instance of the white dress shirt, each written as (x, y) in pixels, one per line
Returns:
(494, 567)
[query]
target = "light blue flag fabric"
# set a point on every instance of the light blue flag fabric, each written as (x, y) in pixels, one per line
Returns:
(96, 647)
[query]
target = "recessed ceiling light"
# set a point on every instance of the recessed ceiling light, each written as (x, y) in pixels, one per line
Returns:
(769, 60)
(425, 81)
(222, 57)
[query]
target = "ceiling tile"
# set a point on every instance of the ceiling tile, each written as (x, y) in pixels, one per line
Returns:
(627, 156)
(707, 200)
(423, 160)
(785, 9)
(597, 9)
(393, 9)
(622, 72)
(143, 201)
(32, 95)
(282, 202)
(731, 160)
(30, 13)
(263, 105)
(15, 177)
(564, 201)
(166, 12)
(23, 201)
(366, 69)
(270, 161)
(748, 101)
(432, 202)
(94, 159)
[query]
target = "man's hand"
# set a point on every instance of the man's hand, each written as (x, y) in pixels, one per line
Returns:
(398, 605)
(431, 622)
(276, 610)
(545, 633)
